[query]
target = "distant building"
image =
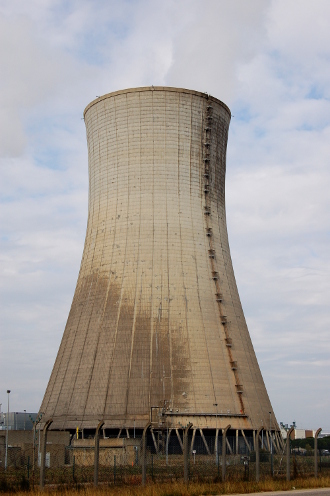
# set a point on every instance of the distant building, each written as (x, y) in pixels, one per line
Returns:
(17, 421)
(297, 433)
(24, 447)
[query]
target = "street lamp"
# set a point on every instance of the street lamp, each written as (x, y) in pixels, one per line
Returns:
(6, 456)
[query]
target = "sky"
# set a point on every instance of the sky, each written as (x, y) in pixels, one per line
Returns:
(269, 61)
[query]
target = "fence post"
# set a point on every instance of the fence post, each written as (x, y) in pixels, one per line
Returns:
(272, 448)
(258, 454)
(144, 454)
(216, 450)
(315, 450)
(223, 451)
(288, 434)
(97, 453)
(186, 453)
(43, 453)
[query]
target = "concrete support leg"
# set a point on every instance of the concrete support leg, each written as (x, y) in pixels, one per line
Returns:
(186, 453)
(288, 453)
(279, 442)
(97, 453)
(154, 440)
(258, 454)
(167, 444)
(204, 441)
(236, 450)
(315, 450)
(276, 445)
(223, 454)
(268, 441)
(246, 442)
(43, 453)
(179, 438)
(229, 447)
(144, 454)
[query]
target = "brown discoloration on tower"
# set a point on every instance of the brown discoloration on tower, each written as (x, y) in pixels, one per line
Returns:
(156, 315)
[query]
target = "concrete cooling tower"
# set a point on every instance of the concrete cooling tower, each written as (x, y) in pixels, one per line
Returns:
(156, 331)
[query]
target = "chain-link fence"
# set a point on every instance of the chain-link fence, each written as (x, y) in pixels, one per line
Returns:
(162, 456)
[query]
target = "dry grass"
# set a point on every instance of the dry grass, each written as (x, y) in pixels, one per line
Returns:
(193, 489)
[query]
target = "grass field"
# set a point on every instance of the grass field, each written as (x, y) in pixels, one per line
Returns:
(192, 489)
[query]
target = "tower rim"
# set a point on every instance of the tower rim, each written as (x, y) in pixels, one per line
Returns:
(141, 89)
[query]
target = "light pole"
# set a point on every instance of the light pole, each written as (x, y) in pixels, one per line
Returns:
(6, 456)
(24, 418)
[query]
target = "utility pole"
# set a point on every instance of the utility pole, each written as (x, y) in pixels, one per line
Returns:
(6, 455)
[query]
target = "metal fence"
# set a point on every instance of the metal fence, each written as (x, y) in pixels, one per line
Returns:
(155, 457)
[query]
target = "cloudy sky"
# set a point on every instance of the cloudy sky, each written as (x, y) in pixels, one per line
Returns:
(269, 60)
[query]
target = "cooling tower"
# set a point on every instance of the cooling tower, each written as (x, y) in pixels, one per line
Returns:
(156, 330)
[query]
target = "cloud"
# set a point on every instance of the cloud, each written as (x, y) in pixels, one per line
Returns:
(34, 76)
(220, 36)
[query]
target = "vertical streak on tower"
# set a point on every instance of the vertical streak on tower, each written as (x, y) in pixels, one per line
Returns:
(156, 320)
